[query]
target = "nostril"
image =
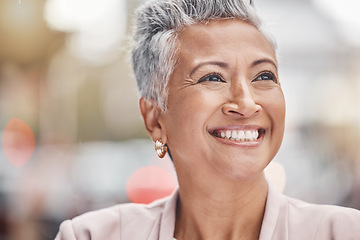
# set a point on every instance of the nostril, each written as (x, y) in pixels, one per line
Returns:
(237, 113)
(243, 109)
(231, 111)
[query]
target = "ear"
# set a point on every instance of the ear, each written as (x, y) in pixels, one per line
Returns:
(150, 112)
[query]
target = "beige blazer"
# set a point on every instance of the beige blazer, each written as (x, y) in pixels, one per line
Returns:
(285, 219)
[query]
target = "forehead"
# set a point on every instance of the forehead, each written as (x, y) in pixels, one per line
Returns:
(226, 39)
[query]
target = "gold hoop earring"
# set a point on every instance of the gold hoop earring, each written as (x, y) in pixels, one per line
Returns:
(160, 148)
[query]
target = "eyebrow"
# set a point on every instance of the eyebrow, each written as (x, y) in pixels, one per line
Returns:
(225, 65)
(264, 60)
(216, 63)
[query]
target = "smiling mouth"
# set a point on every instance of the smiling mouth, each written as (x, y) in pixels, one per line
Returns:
(239, 135)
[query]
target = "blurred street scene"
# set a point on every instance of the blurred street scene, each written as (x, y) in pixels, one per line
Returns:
(72, 138)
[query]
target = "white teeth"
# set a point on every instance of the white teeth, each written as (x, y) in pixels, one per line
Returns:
(228, 134)
(256, 134)
(240, 135)
(249, 136)
(234, 134)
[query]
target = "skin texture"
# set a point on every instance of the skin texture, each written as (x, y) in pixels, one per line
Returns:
(226, 79)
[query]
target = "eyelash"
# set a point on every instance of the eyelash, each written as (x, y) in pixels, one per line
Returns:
(269, 75)
(206, 78)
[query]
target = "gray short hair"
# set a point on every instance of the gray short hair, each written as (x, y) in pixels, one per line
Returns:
(157, 25)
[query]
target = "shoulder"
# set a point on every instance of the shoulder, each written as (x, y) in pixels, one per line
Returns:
(106, 223)
(322, 212)
(328, 221)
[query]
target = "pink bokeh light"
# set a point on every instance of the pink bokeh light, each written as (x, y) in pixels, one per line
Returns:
(150, 183)
(18, 142)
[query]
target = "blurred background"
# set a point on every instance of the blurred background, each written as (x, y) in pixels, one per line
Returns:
(72, 139)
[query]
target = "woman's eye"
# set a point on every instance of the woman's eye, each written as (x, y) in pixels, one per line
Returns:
(213, 77)
(266, 77)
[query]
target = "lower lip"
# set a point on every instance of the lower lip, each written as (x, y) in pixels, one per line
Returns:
(255, 143)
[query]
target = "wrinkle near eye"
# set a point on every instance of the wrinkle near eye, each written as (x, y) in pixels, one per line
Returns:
(188, 83)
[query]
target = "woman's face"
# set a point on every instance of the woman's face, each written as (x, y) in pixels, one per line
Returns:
(225, 110)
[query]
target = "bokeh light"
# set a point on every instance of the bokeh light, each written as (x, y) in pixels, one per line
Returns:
(149, 183)
(346, 16)
(18, 142)
(95, 33)
(346, 10)
(24, 35)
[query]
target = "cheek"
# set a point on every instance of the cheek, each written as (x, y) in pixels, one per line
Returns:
(276, 109)
(193, 107)
(273, 104)
(278, 112)
(188, 115)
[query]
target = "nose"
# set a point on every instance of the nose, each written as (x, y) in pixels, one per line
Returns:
(241, 103)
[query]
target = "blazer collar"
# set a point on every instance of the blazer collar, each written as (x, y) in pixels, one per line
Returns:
(274, 225)
(167, 220)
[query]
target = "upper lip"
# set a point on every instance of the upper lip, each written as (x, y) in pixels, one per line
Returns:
(236, 127)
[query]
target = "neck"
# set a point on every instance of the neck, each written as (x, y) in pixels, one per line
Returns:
(221, 211)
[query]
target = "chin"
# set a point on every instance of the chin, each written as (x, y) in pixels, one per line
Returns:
(245, 172)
